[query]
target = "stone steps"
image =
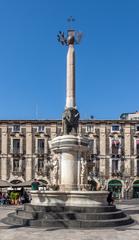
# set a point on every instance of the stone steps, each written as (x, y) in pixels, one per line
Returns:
(68, 217)
(83, 216)
(81, 224)
(29, 215)
(13, 219)
(67, 223)
(84, 209)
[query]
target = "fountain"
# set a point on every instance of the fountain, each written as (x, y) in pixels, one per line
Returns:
(70, 207)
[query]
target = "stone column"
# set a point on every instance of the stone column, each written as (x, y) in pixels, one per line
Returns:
(28, 152)
(4, 153)
(70, 87)
(119, 165)
(135, 166)
(102, 166)
(53, 130)
(127, 149)
(110, 167)
(69, 170)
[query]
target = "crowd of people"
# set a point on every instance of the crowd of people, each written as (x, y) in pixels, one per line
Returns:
(15, 197)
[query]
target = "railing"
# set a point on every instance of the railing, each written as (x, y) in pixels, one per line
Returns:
(40, 151)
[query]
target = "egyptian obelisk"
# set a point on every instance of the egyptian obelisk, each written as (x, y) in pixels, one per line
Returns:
(70, 146)
(70, 81)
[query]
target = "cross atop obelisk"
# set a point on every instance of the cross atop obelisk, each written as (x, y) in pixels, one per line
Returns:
(71, 114)
(70, 21)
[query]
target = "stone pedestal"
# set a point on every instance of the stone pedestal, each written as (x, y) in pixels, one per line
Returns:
(69, 198)
(70, 147)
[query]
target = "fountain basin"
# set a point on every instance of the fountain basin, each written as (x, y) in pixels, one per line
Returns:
(69, 198)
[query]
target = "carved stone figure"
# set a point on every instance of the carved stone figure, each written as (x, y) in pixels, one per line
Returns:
(83, 171)
(55, 168)
(70, 121)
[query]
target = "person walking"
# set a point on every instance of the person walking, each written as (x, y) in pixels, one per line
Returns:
(110, 199)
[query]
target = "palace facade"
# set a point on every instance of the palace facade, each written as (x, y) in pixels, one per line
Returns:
(112, 161)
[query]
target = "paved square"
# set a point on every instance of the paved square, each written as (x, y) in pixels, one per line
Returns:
(8, 232)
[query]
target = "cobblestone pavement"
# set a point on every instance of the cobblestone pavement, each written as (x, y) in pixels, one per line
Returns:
(120, 233)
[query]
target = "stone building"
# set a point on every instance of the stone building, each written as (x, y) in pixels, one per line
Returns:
(112, 160)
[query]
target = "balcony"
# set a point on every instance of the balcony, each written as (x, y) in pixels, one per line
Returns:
(16, 152)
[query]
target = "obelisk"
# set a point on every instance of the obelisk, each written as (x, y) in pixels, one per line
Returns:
(71, 114)
(70, 145)
(70, 81)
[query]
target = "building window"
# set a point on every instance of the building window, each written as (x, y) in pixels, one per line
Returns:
(137, 147)
(89, 128)
(15, 165)
(114, 166)
(138, 168)
(16, 128)
(137, 128)
(41, 146)
(115, 128)
(41, 128)
(40, 165)
(59, 131)
(115, 147)
(16, 146)
(48, 131)
(91, 146)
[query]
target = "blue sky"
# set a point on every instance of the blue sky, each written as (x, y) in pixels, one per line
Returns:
(33, 63)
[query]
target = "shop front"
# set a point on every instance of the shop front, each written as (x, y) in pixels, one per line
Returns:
(115, 186)
(136, 189)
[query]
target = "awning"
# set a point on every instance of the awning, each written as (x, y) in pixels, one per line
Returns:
(5, 184)
(135, 185)
(23, 184)
(27, 184)
(115, 184)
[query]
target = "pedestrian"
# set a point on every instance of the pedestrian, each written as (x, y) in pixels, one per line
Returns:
(110, 199)
(35, 185)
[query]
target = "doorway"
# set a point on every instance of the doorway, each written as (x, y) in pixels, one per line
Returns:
(136, 189)
(115, 186)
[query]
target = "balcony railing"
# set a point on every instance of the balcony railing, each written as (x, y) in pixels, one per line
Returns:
(40, 151)
(16, 151)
